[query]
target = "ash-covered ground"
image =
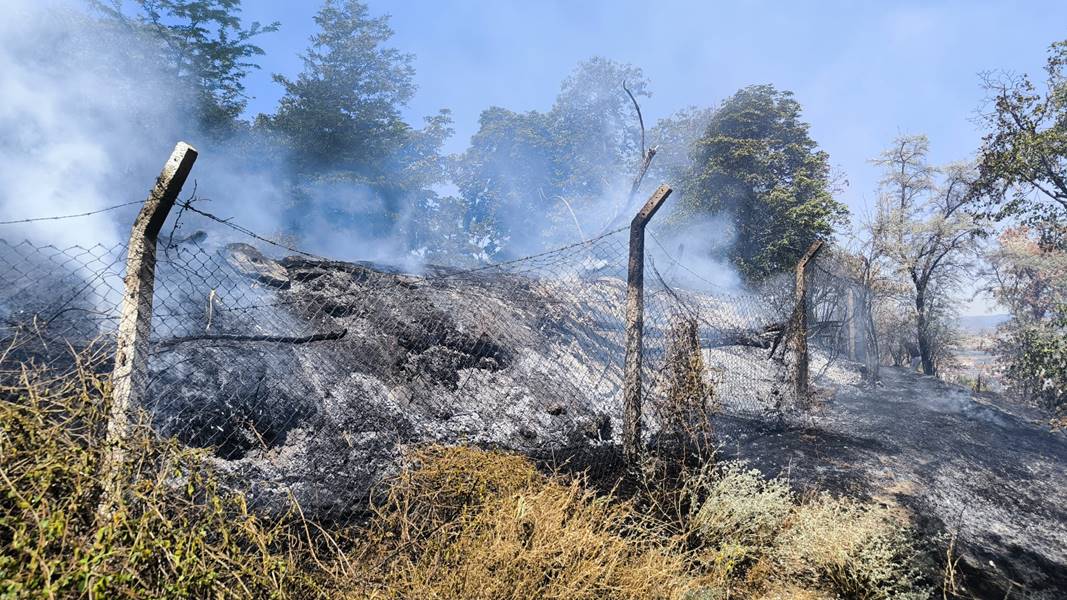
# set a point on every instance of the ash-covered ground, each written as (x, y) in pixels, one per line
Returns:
(502, 359)
(311, 377)
(958, 462)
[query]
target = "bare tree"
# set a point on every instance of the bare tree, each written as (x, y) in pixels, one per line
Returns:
(927, 230)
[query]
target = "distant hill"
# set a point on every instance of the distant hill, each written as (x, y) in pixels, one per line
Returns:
(981, 323)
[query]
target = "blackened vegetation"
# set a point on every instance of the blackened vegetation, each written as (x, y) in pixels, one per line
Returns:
(487, 358)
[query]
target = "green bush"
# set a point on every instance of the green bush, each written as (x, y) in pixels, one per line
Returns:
(1037, 361)
(757, 535)
(857, 550)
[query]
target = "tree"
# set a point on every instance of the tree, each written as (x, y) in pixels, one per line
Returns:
(676, 138)
(342, 112)
(350, 153)
(503, 176)
(926, 229)
(1023, 158)
(205, 47)
(568, 167)
(756, 164)
(1028, 275)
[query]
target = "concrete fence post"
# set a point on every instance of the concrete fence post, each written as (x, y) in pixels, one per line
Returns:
(635, 323)
(129, 376)
(798, 341)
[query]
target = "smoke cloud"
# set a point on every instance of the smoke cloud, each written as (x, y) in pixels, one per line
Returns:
(88, 119)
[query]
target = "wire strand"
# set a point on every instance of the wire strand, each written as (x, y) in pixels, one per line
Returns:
(73, 216)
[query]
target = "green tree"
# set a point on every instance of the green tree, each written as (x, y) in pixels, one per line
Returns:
(757, 164)
(203, 45)
(675, 138)
(1028, 275)
(342, 112)
(1023, 158)
(503, 175)
(557, 167)
(927, 230)
(350, 152)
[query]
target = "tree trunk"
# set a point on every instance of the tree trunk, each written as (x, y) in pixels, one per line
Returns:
(923, 330)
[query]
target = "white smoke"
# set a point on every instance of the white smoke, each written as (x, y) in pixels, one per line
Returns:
(73, 123)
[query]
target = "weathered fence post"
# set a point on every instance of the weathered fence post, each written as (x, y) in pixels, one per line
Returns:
(129, 375)
(635, 323)
(798, 341)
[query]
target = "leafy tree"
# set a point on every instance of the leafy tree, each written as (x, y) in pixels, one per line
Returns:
(926, 229)
(503, 175)
(342, 112)
(675, 138)
(757, 164)
(596, 135)
(567, 167)
(1023, 159)
(1037, 360)
(350, 152)
(1028, 273)
(204, 45)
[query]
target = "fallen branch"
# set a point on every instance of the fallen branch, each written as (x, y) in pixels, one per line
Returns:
(230, 337)
(768, 337)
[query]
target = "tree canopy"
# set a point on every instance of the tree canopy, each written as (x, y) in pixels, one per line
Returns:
(1023, 158)
(757, 164)
(342, 112)
(547, 165)
(204, 45)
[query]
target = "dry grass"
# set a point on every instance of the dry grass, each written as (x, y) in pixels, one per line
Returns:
(463, 523)
(455, 523)
(176, 534)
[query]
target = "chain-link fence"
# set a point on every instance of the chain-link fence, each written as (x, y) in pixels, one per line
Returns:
(306, 376)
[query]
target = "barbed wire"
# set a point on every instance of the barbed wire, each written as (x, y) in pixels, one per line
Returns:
(71, 216)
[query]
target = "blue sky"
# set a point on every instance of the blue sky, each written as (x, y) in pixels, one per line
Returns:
(863, 71)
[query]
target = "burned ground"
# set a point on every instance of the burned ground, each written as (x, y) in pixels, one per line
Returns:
(991, 471)
(312, 377)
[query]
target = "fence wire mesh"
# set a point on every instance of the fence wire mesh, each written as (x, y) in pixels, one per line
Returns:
(306, 376)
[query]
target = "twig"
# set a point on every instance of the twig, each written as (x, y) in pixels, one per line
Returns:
(229, 337)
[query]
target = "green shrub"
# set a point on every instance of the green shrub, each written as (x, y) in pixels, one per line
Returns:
(857, 550)
(757, 536)
(741, 516)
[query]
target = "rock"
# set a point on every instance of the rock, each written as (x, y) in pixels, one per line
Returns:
(251, 262)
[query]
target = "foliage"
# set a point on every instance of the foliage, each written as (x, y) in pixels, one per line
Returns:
(454, 522)
(675, 138)
(1023, 158)
(1036, 357)
(1028, 270)
(926, 230)
(558, 164)
(740, 518)
(342, 112)
(463, 523)
(204, 45)
(1028, 274)
(757, 164)
(351, 155)
(756, 531)
(856, 550)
